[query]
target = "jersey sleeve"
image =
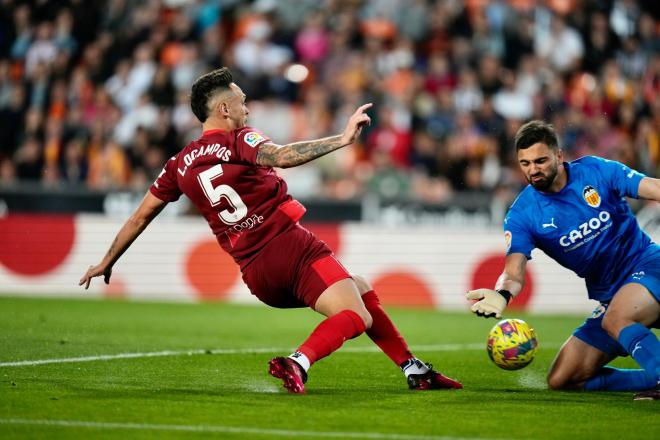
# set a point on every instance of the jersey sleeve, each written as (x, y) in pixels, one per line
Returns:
(166, 187)
(517, 237)
(622, 179)
(247, 144)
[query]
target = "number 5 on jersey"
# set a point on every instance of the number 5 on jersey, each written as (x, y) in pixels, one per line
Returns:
(215, 194)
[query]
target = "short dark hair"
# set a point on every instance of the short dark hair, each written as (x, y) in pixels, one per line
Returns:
(205, 87)
(534, 132)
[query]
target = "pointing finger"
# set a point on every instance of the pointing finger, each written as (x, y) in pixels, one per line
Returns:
(364, 107)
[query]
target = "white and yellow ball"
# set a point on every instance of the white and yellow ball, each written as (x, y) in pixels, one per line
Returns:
(512, 344)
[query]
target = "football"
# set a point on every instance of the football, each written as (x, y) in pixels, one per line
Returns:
(512, 344)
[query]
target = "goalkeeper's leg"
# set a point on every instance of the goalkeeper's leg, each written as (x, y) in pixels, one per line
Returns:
(581, 366)
(632, 311)
(580, 363)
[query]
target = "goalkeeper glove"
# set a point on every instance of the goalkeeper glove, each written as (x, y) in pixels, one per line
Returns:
(491, 303)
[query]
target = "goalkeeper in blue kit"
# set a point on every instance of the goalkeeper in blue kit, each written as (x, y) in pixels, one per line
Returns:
(576, 213)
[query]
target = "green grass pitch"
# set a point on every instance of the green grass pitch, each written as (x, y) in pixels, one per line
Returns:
(208, 377)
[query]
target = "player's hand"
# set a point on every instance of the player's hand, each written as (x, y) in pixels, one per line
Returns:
(95, 271)
(355, 123)
(490, 303)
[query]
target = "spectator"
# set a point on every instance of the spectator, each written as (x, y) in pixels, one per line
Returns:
(467, 95)
(390, 142)
(144, 114)
(600, 42)
(98, 94)
(109, 167)
(560, 45)
(7, 172)
(510, 102)
(624, 17)
(313, 41)
(12, 120)
(29, 160)
(42, 50)
(74, 166)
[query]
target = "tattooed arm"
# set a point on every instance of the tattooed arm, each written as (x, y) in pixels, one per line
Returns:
(298, 153)
(150, 207)
(291, 155)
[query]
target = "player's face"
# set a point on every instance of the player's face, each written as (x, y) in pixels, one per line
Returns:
(238, 111)
(540, 164)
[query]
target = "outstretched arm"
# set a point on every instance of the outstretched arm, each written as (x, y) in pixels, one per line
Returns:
(298, 153)
(491, 303)
(150, 207)
(649, 189)
(513, 277)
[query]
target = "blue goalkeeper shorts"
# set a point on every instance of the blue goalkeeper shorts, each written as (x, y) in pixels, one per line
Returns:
(646, 273)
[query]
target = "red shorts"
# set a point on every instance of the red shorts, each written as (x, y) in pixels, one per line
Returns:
(293, 270)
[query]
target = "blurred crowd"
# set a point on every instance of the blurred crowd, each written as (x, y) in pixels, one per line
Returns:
(95, 93)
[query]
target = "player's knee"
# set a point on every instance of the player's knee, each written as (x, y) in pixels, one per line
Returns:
(613, 323)
(568, 380)
(366, 318)
(362, 284)
(608, 323)
(557, 381)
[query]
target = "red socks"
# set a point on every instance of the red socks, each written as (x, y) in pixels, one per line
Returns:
(331, 334)
(383, 332)
(333, 331)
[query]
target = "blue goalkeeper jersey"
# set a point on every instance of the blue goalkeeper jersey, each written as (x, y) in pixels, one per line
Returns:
(586, 227)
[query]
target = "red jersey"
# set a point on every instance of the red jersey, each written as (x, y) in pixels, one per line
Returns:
(246, 205)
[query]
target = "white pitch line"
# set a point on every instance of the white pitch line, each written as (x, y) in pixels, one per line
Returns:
(109, 357)
(257, 350)
(227, 430)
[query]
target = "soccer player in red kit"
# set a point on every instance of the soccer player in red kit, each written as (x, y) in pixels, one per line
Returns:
(228, 175)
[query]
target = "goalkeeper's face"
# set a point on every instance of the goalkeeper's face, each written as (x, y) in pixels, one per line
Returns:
(540, 164)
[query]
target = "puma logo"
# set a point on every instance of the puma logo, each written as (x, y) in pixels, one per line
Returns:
(637, 347)
(551, 224)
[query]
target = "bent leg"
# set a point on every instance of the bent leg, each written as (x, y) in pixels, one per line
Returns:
(298, 269)
(619, 379)
(346, 318)
(386, 336)
(575, 364)
(383, 331)
(580, 366)
(632, 310)
(342, 295)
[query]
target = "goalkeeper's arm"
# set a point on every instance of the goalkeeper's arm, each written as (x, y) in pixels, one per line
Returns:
(491, 303)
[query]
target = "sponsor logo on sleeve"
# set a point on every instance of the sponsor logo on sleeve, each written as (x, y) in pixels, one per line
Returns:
(591, 196)
(507, 240)
(253, 139)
